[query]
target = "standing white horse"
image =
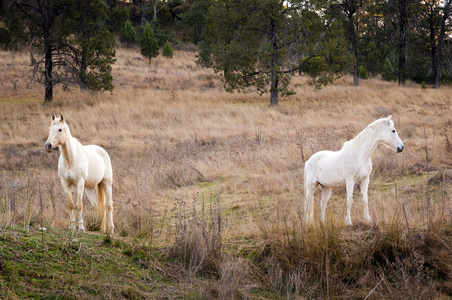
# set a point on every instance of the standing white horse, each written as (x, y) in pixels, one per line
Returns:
(350, 165)
(85, 167)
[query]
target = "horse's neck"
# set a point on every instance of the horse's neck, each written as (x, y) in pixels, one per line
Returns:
(365, 145)
(69, 151)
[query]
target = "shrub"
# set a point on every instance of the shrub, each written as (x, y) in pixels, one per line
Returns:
(167, 50)
(388, 71)
(362, 72)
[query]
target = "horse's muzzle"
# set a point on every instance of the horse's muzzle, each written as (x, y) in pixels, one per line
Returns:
(400, 149)
(48, 147)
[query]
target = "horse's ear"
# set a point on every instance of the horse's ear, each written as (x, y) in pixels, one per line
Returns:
(61, 118)
(389, 118)
(53, 117)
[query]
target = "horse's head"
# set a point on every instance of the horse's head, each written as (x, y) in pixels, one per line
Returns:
(389, 136)
(58, 132)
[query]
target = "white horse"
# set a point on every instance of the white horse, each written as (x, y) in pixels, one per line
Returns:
(85, 167)
(350, 165)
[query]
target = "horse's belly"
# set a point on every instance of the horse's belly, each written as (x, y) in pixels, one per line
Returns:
(330, 177)
(96, 167)
(332, 183)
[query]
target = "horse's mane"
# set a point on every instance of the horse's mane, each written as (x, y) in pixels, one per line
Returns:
(357, 141)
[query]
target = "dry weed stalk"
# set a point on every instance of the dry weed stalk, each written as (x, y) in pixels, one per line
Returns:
(198, 241)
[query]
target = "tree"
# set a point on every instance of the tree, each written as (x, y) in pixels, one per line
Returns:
(149, 46)
(92, 46)
(128, 34)
(403, 20)
(255, 44)
(196, 16)
(68, 42)
(439, 14)
(167, 50)
(350, 9)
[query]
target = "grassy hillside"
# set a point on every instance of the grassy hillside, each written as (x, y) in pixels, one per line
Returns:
(208, 193)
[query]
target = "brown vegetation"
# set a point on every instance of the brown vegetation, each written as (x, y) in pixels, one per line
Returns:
(177, 139)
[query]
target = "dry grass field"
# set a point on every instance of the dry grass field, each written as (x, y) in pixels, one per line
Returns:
(214, 180)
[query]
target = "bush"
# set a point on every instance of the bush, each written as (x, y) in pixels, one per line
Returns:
(362, 72)
(388, 71)
(167, 50)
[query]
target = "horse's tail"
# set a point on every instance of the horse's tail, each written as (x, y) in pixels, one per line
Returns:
(101, 207)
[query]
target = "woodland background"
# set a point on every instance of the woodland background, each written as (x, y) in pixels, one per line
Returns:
(208, 193)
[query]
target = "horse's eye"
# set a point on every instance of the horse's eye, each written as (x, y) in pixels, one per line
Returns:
(62, 130)
(392, 130)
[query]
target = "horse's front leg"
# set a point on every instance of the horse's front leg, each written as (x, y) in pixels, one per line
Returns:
(67, 191)
(350, 184)
(80, 189)
(363, 187)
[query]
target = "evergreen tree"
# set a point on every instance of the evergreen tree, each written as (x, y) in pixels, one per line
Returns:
(256, 43)
(167, 50)
(149, 46)
(128, 34)
(93, 46)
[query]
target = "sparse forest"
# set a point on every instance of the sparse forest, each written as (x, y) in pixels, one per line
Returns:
(209, 110)
(255, 45)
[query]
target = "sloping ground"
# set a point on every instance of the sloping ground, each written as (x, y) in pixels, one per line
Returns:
(45, 265)
(382, 262)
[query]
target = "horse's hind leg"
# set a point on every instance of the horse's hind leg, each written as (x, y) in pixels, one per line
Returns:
(326, 194)
(363, 187)
(308, 205)
(107, 185)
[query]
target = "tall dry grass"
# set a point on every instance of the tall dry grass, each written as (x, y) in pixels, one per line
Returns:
(173, 133)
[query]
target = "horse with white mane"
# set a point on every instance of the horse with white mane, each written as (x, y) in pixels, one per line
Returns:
(350, 165)
(85, 167)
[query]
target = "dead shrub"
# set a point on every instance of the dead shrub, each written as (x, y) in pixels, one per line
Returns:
(197, 242)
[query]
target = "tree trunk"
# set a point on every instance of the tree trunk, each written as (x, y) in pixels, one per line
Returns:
(83, 72)
(436, 56)
(402, 41)
(48, 69)
(354, 50)
(196, 34)
(274, 62)
(274, 89)
(155, 11)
